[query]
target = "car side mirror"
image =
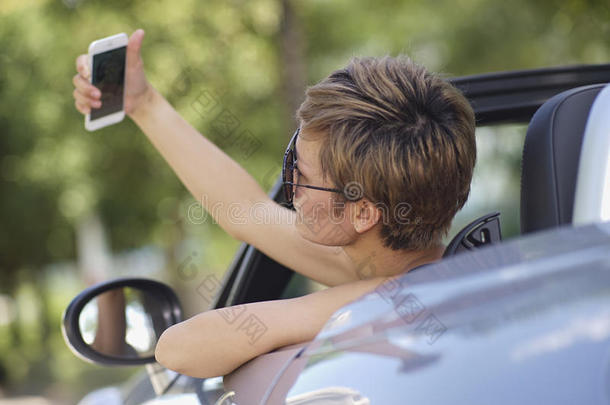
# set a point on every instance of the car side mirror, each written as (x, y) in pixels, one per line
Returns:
(119, 322)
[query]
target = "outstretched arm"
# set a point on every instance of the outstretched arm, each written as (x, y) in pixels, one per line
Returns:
(216, 342)
(224, 188)
(231, 196)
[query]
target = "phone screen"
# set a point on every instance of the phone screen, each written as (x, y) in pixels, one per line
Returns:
(109, 76)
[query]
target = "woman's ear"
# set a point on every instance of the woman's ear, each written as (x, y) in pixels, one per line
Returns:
(365, 215)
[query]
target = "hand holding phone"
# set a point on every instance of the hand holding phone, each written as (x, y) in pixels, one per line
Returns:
(87, 93)
(107, 60)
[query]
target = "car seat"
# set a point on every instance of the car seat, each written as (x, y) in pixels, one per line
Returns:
(549, 170)
(551, 156)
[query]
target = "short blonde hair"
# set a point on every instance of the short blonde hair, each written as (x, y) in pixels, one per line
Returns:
(401, 133)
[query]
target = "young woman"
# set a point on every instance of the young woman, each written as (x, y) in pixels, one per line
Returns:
(379, 166)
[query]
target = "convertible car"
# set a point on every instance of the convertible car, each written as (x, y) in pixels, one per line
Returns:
(521, 321)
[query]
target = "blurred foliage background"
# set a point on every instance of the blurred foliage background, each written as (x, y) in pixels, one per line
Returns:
(78, 207)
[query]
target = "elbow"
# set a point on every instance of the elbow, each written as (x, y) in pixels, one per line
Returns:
(173, 353)
(167, 351)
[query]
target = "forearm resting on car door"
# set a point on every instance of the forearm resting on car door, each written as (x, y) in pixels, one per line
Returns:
(216, 342)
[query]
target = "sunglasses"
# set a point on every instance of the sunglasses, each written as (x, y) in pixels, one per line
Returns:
(290, 172)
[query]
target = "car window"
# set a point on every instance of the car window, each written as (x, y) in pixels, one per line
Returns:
(300, 285)
(496, 179)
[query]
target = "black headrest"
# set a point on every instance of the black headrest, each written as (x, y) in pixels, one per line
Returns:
(551, 154)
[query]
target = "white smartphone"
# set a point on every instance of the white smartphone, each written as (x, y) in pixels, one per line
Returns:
(107, 60)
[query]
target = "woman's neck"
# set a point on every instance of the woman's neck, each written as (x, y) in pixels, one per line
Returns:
(371, 259)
